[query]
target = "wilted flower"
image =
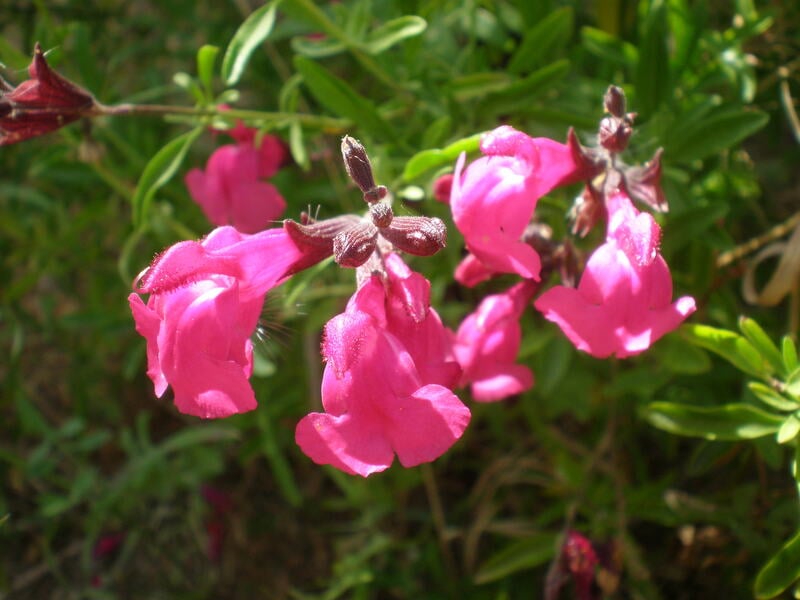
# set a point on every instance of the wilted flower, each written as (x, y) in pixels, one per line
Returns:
(45, 102)
(386, 386)
(205, 301)
(623, 302)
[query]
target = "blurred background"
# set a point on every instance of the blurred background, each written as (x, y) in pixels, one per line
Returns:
(108, 492)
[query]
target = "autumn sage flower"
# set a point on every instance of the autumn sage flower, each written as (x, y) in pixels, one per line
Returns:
(623, 303)
(231, 190)
(45, 102)
(386, 388)
(205, 301)
(494, 198)
(487, 343)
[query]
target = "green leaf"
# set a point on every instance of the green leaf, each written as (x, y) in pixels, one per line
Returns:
(680, 356)
(392, 32)
(727, 422)
(760, 340)
(719, 130)
(426, 160)
(771, 396)
(476, 85)
(297, 147)
(161, 168)
(255, 29)
(652, 78)
(338, 97)
(729, 345)
(781, 571)
(523, 554)
(608, 47)
(789, 352)
(206, 57)
(789, 429)
(317, 48)
(542, 41)
(517, 96)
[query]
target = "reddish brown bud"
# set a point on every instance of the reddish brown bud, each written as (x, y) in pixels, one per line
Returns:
(421, 236)
(587, 210)
(614, 101)
(353, 246)
(644, 183)
(614, 134)
(41, 104)
(381, 214)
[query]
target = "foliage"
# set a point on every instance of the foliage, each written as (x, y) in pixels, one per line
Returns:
(87, 452)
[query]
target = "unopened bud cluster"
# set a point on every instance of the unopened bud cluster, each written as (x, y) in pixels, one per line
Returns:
(353, 239)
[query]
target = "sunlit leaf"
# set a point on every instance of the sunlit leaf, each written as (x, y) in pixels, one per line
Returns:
(727, 422)
(255, 29)
(161, 168)
(393, 32)
(781, 571)
(731, 346)
(427, 160)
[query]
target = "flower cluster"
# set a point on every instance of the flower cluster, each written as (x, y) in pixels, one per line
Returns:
(391, 365)
(232, 190)
(623, 302)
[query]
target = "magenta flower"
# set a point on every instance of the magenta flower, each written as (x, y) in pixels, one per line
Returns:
(230, 191)
(494, 199)
(487, 344)
(623, 302)
(385, 389)
(205, 301)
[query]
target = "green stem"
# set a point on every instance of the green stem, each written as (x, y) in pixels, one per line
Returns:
(249, 115)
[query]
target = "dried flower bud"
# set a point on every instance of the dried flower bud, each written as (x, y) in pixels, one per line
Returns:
(381, 214)
(45, 102)
(353, 246)
(614, 134)
(614, 101)
(587, 210)
(644, 183)
(421, 236)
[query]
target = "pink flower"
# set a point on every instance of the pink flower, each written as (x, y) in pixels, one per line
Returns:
(386, 386)
(487, 344)
(493, 201)
(622, 304)
(205, 301)
(230, 191)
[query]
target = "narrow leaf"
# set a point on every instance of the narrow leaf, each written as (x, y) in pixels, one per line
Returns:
(523, 554)
(771, 397)
(721, 129)
(517, 95)
(781, 571)
(206, 57)
(255, 29)
(727, 422)
(297, 147)
(652, 78)
(760, 340)
(338, 97)
(317, 48)
(729, 345)
(542, 41)
(392, 32)
(161, 168)
(788, 430)
(789, 352)
(609, 47)
(432, 159)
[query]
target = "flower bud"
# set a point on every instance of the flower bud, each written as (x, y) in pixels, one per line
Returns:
(421, 236)
(353, 246)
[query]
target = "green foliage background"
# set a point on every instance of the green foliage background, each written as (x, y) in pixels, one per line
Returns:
(87, 451)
